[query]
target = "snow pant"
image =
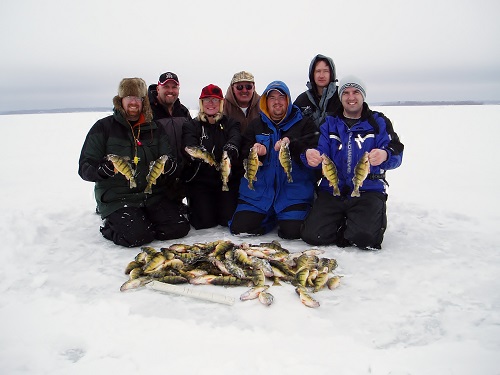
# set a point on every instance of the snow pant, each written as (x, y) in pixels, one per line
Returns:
(209, 206)
(249, 219)
(333, 220)
(136, 226)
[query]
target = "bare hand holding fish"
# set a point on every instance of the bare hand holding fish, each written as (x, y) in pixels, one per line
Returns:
(313, 157)
(377, 156)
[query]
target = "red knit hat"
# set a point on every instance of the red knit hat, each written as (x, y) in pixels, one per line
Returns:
(211, 91)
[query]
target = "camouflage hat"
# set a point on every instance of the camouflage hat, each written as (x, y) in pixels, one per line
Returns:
(242, 77)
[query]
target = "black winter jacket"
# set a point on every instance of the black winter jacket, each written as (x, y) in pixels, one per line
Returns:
(160, 112)
(213, 137)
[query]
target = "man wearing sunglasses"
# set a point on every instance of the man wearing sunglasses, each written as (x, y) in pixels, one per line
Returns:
(242, 101)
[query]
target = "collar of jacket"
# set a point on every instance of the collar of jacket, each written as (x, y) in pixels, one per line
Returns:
(286, 123)
(230, 98)
(321, 102)
(145, 125)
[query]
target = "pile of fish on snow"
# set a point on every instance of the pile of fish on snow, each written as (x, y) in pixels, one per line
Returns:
(224, 263)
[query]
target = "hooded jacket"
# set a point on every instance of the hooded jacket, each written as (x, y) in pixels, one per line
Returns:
(345, 146)
(310, 103)
(232, 109)
(113, 135)
(272, 190)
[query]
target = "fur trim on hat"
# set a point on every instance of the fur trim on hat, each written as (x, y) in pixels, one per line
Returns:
(202, 116)
(146, 108)
(133, 87)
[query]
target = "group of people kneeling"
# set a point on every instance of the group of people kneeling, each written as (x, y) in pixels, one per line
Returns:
(246, 132)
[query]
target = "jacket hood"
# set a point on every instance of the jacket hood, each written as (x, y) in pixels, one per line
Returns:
(232, 99)
(275, 85)
(333, 76)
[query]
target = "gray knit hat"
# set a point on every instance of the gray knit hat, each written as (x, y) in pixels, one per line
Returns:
(352, 81)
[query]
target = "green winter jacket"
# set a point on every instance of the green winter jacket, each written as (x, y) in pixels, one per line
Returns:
(113, 135)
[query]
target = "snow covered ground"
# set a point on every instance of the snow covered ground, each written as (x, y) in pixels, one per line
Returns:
(427, 303)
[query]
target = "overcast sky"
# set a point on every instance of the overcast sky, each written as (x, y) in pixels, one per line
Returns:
(61, 54)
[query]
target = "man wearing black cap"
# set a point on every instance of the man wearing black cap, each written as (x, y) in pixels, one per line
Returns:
(170, 114)
(164, 98)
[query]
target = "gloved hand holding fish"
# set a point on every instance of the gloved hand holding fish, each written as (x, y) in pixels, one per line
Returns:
(122, 164)
(200, 153)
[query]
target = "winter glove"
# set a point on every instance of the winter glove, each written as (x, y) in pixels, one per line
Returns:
(232, 151)
(106, 169)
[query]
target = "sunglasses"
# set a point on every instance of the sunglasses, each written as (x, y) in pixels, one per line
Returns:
(240, 87)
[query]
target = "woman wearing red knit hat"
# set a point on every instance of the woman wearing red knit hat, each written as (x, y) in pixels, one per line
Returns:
(212, 142)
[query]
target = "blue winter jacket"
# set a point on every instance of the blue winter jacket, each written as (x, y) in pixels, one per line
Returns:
(272, 190)
(345, 146)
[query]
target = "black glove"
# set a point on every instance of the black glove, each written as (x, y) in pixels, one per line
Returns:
(232, 151)
(106, 169)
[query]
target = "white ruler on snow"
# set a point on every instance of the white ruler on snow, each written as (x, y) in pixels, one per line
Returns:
(190, 292)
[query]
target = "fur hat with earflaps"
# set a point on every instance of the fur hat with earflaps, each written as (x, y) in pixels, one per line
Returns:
(133, 87)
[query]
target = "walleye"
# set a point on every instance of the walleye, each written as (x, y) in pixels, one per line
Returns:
(251, 164)
(286, 160)
(122, 165)
(225, 170)
(360, 173)
(156, 168)
(330, 172)
(199, 153)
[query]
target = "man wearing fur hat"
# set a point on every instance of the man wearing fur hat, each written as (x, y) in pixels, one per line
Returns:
(272, 198)
(242, 102)
(210, 134)
(321, 98)
(362, 145)
(132, 216)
